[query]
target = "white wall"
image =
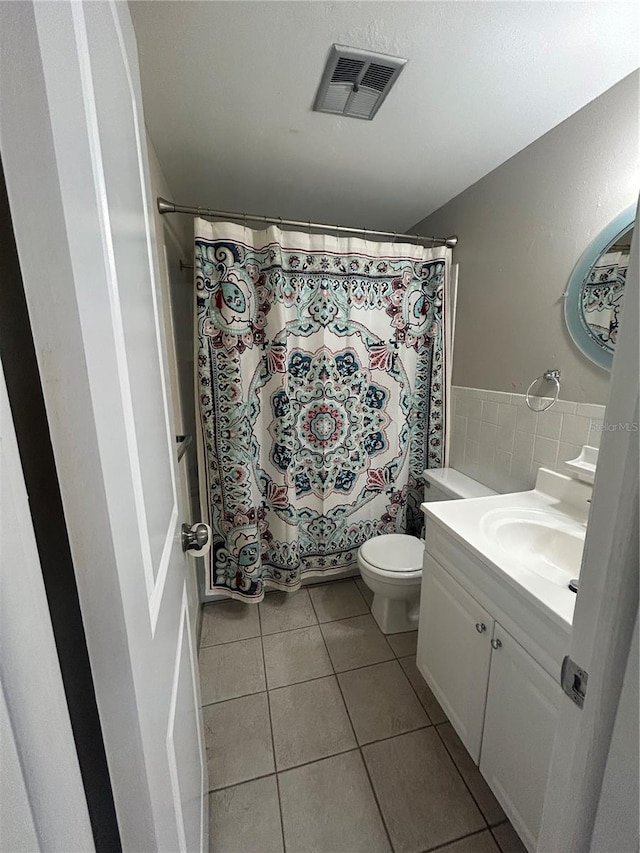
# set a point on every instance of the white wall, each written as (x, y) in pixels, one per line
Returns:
(522, 229)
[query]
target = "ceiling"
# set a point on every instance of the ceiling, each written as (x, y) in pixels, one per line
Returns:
(228, 88)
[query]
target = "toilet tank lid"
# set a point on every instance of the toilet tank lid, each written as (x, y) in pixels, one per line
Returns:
(456, 484)
(394, 552)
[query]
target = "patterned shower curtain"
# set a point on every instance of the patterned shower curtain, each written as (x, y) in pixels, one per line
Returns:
(321, 385)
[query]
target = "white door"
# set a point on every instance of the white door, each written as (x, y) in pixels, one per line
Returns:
(42, 802)
(73, 145)
(519, 728)
(606, 608)
(454, 651)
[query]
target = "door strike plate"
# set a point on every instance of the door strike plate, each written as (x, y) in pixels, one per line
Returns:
(574, 681)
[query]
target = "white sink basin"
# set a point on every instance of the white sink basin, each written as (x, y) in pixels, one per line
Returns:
(545, 544)
(531, 540)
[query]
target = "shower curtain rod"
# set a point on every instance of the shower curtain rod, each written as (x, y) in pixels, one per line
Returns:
(165, 206)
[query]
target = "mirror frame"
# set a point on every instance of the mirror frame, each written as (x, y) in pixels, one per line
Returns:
(581, 337)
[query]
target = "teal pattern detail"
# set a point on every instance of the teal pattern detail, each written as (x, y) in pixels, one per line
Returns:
(321, 395)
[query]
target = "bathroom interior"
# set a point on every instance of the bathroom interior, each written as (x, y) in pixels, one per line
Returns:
(408, 698)
(393, 240)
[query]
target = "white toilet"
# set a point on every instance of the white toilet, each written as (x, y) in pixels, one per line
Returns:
(391, 565)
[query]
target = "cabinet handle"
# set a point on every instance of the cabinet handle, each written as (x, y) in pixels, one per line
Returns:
(481, 627)
(496, 644)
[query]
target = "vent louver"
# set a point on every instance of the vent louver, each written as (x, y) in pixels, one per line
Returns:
(347, 70)
(355, 82)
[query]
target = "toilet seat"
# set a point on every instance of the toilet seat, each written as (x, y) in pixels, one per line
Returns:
(395, 578)
(393, 554)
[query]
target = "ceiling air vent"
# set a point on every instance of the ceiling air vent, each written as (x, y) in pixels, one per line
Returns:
(356, 82)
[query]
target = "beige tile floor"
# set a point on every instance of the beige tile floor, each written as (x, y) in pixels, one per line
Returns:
(322, 736)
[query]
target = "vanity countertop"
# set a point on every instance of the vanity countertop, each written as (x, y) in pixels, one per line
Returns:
(532, 540)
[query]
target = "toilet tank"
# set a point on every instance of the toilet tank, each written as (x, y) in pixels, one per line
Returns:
(445, 484)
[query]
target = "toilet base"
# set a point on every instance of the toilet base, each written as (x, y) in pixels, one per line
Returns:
(395, 616)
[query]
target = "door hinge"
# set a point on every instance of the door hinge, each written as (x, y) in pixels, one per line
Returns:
(574, 681)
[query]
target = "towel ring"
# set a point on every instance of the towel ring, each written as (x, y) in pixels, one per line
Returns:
(550, 376)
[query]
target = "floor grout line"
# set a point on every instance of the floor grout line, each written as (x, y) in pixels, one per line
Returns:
(414, 689)
(300, 627)
(444, 722)
(287, 591)
(358, 594)
(439, 737)
(273, 742)
(314, 678)
(242, 782)
(233, 698)
(230, 642)
(493, 835)
(449, 753)
(282, 770)
(359, 748)
(455, 840)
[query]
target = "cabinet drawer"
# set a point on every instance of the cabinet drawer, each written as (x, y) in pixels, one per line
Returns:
(454, 651)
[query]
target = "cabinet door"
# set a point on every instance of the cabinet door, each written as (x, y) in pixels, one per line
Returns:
(519, 728)
(454, 651)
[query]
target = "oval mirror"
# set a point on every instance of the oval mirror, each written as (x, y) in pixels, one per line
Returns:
(595, 293)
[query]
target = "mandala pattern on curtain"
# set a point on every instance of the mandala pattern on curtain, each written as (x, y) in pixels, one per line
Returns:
(320, 370)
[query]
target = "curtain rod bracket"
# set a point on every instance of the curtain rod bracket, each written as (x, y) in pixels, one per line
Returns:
(165, 206)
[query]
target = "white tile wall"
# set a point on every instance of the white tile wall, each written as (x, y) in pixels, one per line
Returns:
(498, 440)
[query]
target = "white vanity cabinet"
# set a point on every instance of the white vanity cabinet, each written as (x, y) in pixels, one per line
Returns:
(519, 727)
(502, 703)
(454, 652)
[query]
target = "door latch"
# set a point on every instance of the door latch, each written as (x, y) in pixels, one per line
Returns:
(574, 681)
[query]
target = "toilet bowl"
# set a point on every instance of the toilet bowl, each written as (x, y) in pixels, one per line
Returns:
(391, 564)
